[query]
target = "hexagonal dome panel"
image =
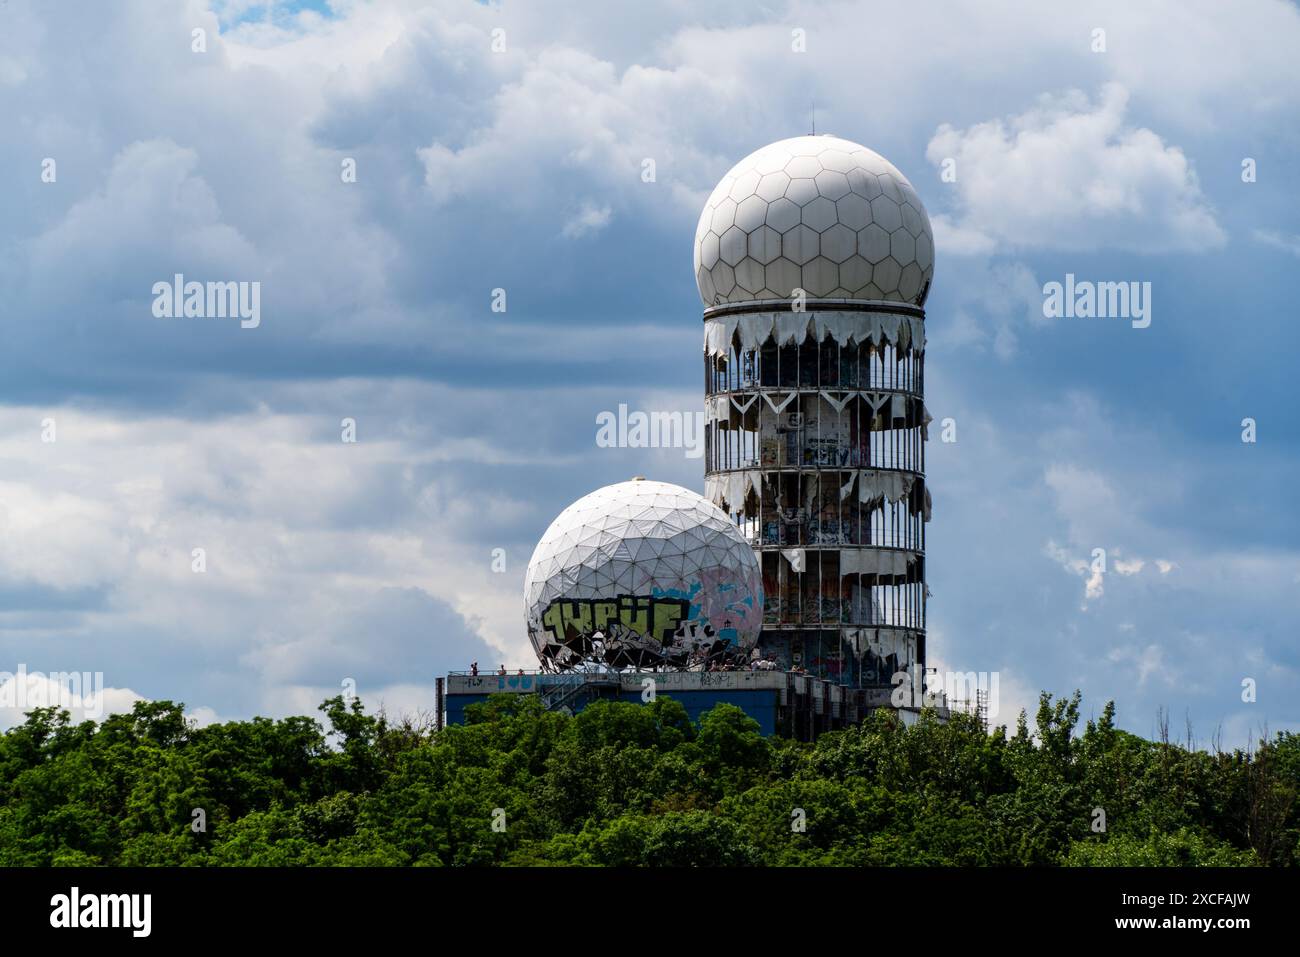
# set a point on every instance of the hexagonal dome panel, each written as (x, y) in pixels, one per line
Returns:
(749, 276)
(732, 247)
(853, 211)
(800, 245)
(789, 214)
(751, 212)
(783, 277)
(764, 244)
(782, 215)
(772, 187)
(902, 246)
(832, 184)
(839, 243)
(819, 214)
(873, 244)
(887, 274)
(855, 272)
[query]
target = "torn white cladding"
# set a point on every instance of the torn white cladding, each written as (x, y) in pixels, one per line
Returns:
(794, 328)
(731, 490)
(876, 485)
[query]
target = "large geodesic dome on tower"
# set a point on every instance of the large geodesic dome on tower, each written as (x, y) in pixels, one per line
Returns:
(642, 573)
(817, 213)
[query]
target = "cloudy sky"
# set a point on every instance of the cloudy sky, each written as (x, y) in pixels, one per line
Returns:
(482, 168)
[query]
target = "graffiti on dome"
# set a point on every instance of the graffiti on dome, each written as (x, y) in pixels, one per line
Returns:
(729, 604)
(642, 616)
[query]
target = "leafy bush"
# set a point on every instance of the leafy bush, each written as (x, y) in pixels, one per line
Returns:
(630, 785)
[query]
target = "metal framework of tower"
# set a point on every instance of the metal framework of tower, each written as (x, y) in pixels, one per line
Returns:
(815, 445)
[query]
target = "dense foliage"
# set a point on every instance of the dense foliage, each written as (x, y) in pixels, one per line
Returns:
(626, 784)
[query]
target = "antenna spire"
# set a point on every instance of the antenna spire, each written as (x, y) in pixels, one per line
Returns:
(812, 115)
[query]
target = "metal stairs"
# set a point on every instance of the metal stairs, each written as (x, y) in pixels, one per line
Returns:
(572, 691)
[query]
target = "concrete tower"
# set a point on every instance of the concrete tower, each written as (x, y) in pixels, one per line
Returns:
(814, 258)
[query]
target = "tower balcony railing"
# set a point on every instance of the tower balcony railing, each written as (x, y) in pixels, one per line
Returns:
(822, 535)
(750, 387)
(752, 464)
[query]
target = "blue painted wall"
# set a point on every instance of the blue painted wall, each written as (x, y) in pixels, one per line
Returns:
(759, 705)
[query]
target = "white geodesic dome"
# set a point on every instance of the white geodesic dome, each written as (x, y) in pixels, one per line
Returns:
(818, 213)
(642, 573)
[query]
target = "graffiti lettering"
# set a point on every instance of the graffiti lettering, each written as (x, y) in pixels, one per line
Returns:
(656, 618)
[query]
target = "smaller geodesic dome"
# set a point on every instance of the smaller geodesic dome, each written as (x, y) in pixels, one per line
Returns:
(642, 574)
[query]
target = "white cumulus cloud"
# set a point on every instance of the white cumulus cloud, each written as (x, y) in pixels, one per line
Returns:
(1071, 173)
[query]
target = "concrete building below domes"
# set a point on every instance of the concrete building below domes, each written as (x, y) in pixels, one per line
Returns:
(794, 705)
